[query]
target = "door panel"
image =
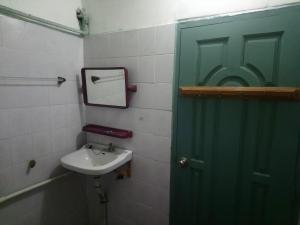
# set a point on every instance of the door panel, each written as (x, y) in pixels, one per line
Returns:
(242, 154)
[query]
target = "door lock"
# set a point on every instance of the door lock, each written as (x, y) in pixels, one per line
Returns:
(182, 162)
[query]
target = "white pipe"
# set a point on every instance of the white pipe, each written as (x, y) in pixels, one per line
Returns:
(27, 189)
(40, 21)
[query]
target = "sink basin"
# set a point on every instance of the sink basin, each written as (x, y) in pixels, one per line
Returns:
(94, 159)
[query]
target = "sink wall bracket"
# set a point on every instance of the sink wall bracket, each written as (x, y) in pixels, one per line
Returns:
(124, 171)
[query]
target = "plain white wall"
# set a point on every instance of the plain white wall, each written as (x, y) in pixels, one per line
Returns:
(63, 12)
(117, 15)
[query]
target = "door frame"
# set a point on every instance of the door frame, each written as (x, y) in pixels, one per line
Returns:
(218, 19)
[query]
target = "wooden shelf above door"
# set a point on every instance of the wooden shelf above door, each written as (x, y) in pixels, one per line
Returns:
(280, 93)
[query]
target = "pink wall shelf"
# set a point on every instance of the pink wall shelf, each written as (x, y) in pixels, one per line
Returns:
(108, 131)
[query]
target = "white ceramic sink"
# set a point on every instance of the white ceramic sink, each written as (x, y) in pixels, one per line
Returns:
(95, 159)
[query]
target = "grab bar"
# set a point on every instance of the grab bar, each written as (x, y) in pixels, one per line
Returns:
(32, 187)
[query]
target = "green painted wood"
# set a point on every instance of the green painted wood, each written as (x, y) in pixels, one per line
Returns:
(242, 153)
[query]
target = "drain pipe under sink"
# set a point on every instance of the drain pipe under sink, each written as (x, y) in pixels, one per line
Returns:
(102, 196)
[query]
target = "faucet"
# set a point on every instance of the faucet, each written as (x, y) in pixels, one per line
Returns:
(110, 147)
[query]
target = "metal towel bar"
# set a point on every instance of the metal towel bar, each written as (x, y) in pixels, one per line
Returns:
(58, 79)
(32, 187)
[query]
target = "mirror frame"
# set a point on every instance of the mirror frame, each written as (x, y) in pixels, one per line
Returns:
(84, 89)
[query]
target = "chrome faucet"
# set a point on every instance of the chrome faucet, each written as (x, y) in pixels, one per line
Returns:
(110, 147)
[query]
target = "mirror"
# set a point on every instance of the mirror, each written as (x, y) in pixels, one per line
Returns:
(105, 87)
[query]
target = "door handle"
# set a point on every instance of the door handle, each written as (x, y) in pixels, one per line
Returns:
(182, 162)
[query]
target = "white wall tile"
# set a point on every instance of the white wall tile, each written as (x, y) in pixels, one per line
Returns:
(146, 69)
(131, 64)
(58, 116)
(20, 121)
(67, 93)
(144, 211)
(1, 31)
(164, 68)
(117, 220)
(5, 154)
(95, 62)
(123, 44)
(13, 96)
(75, 138)
(7, 184)
(165, 39)
(73, 92)
(97, 46)
(41, 143)
(152, 146)
(5, 126)
(156, 122)
(58, 95)
(14, 62)
(160, 217)
(153, 215)
(96, 115)
(75, 115)
(45, 167)
(149, 117)
(23, 176)
(36, 96)
(147, 170)
(153, 96)
(46, 68)
(18, 35)
(58, 140)
(146, 42)
(13, 33)
(124, 209)
(104, 116)
(40, 118)
(25, 128)
(152, 196)
(7, 97)
(8, 213)
(116, 45)
(22, 149)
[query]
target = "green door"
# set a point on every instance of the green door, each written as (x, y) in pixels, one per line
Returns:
(241, 154)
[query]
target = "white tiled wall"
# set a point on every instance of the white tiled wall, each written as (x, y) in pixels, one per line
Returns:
(148, 54)
(40, 122)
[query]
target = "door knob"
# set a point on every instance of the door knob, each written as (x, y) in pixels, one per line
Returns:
(183, 162)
